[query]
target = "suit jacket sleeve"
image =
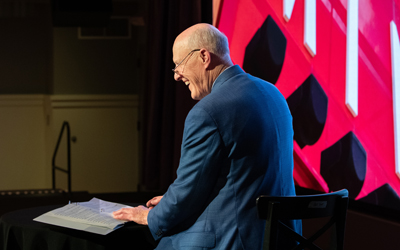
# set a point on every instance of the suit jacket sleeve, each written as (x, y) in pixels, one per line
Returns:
(197, 176)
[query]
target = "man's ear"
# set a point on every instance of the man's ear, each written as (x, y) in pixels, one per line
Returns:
(205, 56)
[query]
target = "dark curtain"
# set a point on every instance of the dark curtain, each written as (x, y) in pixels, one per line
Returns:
(166, 102)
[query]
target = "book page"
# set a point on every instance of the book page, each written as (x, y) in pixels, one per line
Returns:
(75, 212)
(101, 206)
(93, 216)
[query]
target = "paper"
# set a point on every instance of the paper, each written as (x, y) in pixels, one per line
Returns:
(102, 206)
(94, 216)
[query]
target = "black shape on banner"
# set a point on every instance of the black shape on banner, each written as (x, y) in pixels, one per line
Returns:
(309, 107)
(265, 52)
(383, 196)
(81, 13)
(344, 165)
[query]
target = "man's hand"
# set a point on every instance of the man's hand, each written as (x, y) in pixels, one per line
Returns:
(153, 202)
(136, 214)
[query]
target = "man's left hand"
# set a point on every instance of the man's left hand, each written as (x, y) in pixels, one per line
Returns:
(136, 214)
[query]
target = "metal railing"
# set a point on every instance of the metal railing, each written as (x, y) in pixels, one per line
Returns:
(54, 167)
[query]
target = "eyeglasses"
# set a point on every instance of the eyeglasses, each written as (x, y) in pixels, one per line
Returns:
(174, 69)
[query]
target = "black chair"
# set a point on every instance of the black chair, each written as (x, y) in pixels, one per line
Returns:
(280, 211)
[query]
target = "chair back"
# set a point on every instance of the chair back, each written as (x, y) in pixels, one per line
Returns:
(280, 211)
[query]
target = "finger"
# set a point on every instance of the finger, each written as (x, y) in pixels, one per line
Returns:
(121, 216)
(119, 213)
(153, 202)
(116, 212)
(150, 203)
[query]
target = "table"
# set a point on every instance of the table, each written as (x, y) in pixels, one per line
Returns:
(19, 231)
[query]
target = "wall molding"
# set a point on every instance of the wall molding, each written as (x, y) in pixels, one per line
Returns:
(69, 101)
(93, 101)
(22, 100)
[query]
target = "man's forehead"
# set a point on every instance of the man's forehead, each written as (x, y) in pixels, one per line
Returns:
(177, 50)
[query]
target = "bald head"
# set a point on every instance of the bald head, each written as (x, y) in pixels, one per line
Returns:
(200, 54)
(206, 36)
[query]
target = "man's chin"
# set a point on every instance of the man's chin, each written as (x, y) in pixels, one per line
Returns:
(196, 98)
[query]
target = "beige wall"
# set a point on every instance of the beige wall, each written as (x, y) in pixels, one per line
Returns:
(104, 156)
(23, 161)
(48, 75)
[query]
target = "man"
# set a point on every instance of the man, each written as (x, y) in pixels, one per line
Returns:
(237, 145)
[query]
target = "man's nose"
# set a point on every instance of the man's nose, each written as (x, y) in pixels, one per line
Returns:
(177, 77)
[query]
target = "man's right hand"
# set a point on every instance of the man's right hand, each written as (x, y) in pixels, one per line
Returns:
(153, 202)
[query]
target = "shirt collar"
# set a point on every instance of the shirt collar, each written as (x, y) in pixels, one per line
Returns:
(219, 76)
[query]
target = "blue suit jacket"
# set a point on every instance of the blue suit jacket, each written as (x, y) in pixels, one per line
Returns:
(237, 145)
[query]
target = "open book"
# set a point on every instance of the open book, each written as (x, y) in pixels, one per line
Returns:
(93, 216)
